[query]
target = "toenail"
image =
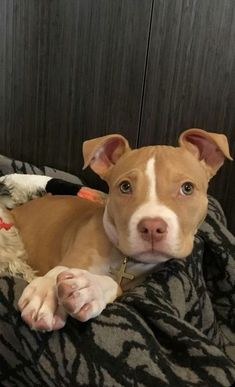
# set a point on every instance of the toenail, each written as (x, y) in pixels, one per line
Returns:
(67, 276)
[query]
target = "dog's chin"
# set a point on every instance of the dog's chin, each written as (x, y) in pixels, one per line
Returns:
(156, 256)
(151, 256)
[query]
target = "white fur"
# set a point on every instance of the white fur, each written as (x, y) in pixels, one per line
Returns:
(13, 257)
(22, 188)
(109, 227)
(17, 189)
(153, 208)
(40, 303)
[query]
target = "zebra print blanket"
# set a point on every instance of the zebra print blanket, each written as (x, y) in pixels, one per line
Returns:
(175, 329)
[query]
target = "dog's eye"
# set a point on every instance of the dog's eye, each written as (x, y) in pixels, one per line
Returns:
(125, 187)
(187, 188)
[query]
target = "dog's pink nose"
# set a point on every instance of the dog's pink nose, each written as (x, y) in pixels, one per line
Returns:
(152, 229)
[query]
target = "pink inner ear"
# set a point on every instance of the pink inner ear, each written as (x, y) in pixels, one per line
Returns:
(107, 155)
(208, 150)
(113, 149)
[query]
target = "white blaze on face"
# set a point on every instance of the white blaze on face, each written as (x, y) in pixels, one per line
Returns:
(153, 208)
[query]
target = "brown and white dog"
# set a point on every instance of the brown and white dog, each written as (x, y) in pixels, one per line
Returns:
(157, 200)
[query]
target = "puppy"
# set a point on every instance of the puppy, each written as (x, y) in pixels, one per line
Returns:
(86, 253)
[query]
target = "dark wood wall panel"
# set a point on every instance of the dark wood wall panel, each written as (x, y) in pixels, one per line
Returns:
(190, 79)
(70, 70)
(76, 69)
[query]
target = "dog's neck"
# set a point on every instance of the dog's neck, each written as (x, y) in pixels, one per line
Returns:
(130, 273)
(128, 266)
(109, 227)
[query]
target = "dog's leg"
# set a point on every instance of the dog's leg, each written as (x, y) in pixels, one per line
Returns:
(84, 295)
(39, 304)
(46, 301)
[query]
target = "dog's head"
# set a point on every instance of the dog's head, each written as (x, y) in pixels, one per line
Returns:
(157, 194)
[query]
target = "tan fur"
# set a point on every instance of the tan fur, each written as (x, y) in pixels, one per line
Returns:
(171, 172)
(59, 229)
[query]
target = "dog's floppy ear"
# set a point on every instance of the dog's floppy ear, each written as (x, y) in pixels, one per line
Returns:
(103, 152)
(210, 148)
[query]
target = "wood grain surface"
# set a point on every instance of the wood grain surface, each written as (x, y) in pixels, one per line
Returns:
(70, 70)
(77, 69)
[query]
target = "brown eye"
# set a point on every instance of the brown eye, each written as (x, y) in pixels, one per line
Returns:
(125, 187)
(187, 188)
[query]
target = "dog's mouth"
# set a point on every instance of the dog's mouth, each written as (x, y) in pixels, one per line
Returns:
(153, 248)
(150, 253)
(162, 252)
(151, 256)
(158, 252)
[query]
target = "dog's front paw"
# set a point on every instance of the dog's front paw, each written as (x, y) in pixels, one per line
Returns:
(39, 306)
(84, 295)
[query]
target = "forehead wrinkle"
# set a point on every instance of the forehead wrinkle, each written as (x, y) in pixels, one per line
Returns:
(130, 173)
(178, 169)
